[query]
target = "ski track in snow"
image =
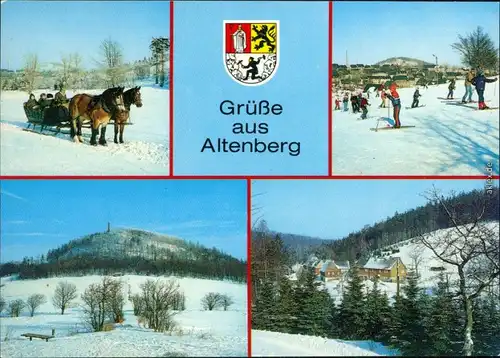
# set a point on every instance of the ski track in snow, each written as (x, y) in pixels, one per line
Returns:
(449, 138)
(204, 333)
(145, 151)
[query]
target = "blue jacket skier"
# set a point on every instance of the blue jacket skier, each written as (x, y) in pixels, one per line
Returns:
(480, 83)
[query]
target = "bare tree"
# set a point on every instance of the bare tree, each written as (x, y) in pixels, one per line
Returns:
(158, 299)
(34, 301)
(112, 61)
(16, 307)
(31, 72)
(472, 247)
(65, 293)
(211, 301)
(477, 50)
(416, 256)
(70, 71)
(101, 301)
(2, 304)
(226, 301)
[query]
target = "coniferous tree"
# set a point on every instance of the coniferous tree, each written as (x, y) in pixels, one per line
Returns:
(412, 339)
(286, 307)
(377, 314)
(443, 321)
(304, 295)
(486, 333)
(264, 313)
(352, 310)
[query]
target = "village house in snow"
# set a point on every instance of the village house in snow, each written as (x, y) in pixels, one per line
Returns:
(387, 269)
(331, 270)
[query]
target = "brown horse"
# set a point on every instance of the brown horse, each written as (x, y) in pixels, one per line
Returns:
(96, 109)
(130, 97)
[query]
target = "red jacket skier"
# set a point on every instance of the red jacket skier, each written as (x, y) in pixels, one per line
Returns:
(393, 95)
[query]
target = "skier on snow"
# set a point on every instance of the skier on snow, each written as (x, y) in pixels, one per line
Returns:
(416, 95)
(345, 101)
(468, 86)
(451, 87)
(393, 95)
(480, 83)
(364, 106)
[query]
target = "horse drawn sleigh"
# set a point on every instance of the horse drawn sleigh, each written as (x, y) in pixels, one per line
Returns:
(112, 107)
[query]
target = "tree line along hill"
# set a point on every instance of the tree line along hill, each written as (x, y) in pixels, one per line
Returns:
(127, 251)
(400, 227)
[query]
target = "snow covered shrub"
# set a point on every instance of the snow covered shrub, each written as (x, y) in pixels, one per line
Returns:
(16, 307)
(103, 301)
(158, 303)
(226, 301)
(2, 304)
(179, 301)
(137, 303)
(34, 301)
(211, 301)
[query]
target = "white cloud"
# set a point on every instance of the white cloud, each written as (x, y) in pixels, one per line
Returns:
(12, 195)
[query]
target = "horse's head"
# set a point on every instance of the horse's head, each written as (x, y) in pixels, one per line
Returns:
(137, 100)
(114, 98)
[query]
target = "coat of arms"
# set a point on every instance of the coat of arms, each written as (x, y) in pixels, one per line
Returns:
(251, 50)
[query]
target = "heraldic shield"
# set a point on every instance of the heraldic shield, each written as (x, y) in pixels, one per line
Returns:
(251, 50)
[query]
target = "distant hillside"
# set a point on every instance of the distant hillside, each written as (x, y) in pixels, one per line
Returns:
(404, 62)
(300, 245)
(395, 229)
(130, 251)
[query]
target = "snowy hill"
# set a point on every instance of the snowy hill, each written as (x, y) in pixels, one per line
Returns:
(403, 62)
(274, 344)
(427, 267)
(198, 333)
(121, 243)
(145, 150)
(449, 138)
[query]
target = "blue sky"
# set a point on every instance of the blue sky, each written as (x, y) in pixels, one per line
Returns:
(38, 215)
(374, 31)
(300, 85)
(53, 28)
(331, 209)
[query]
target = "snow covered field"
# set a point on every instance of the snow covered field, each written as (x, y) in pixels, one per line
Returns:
(199, 333)
(145, 151)
(274, 344)
(449, 138)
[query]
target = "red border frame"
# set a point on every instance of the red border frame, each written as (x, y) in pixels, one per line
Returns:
(171, 94)
(249, 266)
(330, 89)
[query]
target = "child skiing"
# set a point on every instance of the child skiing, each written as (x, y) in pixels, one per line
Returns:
(345, 101)
(451, 87)
(337, 104)
(480, 83)
(416, 95)
(468, 86)
(393, 95)
(383, 96)
(364, 106)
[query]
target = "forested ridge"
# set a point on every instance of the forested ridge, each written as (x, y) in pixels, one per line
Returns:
(399, 227)
(132, 252)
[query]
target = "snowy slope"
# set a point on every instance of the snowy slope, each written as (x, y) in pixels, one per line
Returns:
(449, 138)
(199, 333)
(273, 344)
(428, 278)
(145, 150)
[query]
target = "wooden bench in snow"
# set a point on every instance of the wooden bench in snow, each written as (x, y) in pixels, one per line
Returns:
(35, 335)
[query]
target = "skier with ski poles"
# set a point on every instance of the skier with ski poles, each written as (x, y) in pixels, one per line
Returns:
(468, 86)
(480, 83)
(393, 95)
(364, 106)
(416, 95)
